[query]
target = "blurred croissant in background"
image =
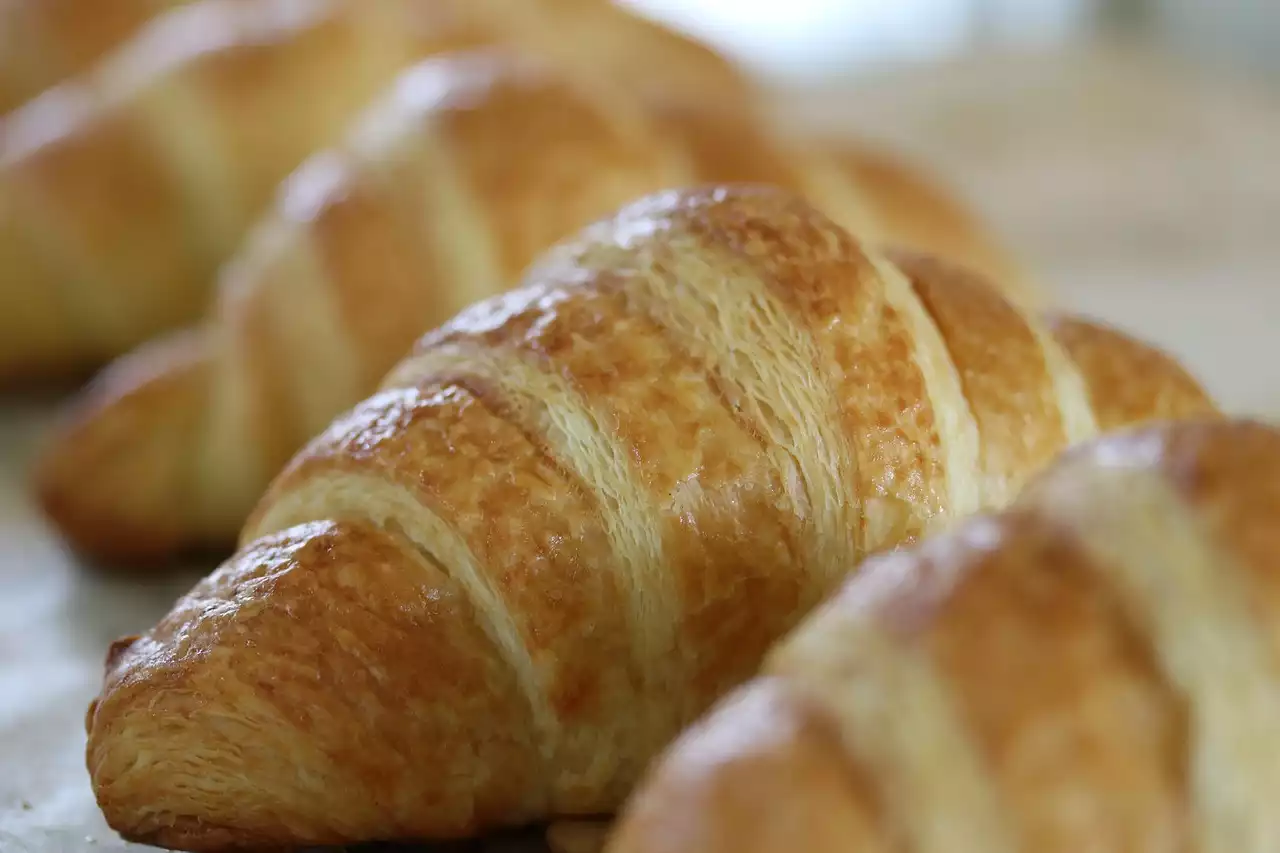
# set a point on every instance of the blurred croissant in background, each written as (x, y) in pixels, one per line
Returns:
(43, 42)
(121, 190)
(440, 194)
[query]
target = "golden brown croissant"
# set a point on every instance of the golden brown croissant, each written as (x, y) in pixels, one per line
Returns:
(122, 192)
(574, 517)
(591, 36)
(1093, 669)
(442, 194)
(43, 42)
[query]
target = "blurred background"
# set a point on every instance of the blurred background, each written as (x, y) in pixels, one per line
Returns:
(807, 40)
(1126, 148)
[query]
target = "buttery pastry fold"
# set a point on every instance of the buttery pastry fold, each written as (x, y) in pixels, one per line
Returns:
(575, 517)
(1093, 668)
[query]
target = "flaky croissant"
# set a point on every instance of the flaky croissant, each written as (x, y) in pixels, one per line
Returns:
(1093, 669)
(578, 514)
(441, 195)
(43, 42)
(122, 191)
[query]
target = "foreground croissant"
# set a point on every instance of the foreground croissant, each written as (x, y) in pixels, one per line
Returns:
(442, 194)
(576, 516)
(121, 192)
(1094, 669)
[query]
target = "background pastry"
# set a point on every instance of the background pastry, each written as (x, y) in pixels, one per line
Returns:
(441, 194)
(122, 190)
(43, 42)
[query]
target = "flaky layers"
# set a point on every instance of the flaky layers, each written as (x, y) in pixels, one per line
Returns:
(1093, 669)
(443, 192)
(570, 521)
(123, 190)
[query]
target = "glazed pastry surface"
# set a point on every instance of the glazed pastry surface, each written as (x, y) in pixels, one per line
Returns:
(576, 516)
(1093, 668)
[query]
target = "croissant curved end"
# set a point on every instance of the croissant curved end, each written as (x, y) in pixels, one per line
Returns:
(89, 461)
(284, 702)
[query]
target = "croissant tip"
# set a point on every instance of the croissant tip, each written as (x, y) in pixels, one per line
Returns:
(114, 497)
(102, 540)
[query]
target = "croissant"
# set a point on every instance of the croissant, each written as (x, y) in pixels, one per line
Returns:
(1090, 670)
(591, 36)
(122, 192)
(43, 42)
(579, 513)
(444, 191)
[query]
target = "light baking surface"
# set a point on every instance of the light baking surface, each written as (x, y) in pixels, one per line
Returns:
(1139, 194)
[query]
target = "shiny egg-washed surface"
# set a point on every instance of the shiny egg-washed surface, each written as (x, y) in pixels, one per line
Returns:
(1094, 668)
(445, 189)
(571, 520)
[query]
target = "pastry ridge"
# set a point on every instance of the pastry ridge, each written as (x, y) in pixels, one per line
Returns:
(650, 372)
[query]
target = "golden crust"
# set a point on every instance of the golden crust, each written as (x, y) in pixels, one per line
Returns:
(137, 180)
(1234, 485)
(765, 743)
(43, 42)
(67, 197)
(626, 479)
(1109, 359)
(351, 225)
(917, 210)
(865, 189)
(1022, 429)
(139, 177)
(444, 190)
(656, 61)
(1105, 646)
(150, 522)
(330, 626)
